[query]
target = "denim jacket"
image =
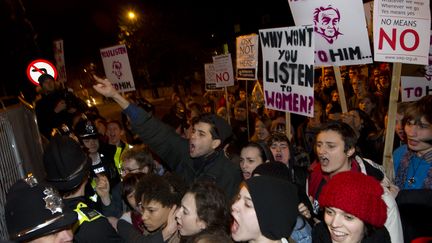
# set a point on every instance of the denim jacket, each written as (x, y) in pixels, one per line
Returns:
(302, 232)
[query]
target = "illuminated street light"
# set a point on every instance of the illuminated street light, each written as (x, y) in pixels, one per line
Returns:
(131, 15)
(129, 23)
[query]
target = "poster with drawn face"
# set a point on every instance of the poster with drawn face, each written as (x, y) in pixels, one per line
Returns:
(117, 68)
(341, 36)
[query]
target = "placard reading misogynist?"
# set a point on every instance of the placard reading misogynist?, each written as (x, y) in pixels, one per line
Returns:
(288, 72)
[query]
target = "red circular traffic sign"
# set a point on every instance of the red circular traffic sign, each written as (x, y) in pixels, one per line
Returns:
(38, 67)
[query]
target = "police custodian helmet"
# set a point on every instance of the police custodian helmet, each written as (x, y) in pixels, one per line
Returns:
(86, 129)
(66, 164)
(34, 210)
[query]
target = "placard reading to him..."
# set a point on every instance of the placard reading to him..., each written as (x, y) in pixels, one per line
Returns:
(288, 72)
(413, 88)
(341, 36)
(401, 31)
(247, 57)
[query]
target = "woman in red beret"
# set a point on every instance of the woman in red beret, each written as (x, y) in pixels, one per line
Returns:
(354, 210)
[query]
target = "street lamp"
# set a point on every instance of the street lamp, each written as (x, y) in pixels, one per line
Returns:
(129, 23)
(131, 15)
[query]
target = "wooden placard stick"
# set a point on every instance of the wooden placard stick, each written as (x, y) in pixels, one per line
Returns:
(288, 125)
(340, 89)
(227, 106)
(247, 109)
(391, 121)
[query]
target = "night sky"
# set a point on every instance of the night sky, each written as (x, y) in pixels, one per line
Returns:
(184, 28)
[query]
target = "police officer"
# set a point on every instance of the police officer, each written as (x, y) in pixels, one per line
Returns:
(102, 158)
(67, 168)
(101, 154)
(45, 219)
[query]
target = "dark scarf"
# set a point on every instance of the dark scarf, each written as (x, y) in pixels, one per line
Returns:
(200, 163)
(402, 170)
(137, 221)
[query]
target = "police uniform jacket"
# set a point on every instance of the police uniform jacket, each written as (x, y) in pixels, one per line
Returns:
(92, 226)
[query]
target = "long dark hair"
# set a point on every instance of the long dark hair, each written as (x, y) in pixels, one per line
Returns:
(212, 205)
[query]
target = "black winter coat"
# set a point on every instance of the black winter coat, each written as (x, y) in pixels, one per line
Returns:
(174, 150)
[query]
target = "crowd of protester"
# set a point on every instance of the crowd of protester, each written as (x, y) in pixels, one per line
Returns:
(192, 175)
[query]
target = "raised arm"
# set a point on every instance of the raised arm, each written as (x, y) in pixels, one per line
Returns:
(162, 139)
(105, 88)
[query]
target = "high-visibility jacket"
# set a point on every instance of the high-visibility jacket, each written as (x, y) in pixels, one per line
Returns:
(120, 149)
(86, 214)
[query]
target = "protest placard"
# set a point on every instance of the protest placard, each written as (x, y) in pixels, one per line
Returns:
(59, 58)
(210, 78)
(223, 70)
(428, 68)
(247, 57)
(288, 72)
(341, 36)
(413, 88)
(401, 31)
(117, 68)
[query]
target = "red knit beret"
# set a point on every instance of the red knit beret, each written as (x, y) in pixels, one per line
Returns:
(356, 194)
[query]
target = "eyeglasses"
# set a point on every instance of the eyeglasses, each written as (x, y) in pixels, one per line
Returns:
(125, 171)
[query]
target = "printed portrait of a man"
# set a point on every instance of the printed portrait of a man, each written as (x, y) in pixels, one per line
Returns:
(326, 22)
(117, 69)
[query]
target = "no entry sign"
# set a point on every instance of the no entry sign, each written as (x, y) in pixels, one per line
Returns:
(38, 67)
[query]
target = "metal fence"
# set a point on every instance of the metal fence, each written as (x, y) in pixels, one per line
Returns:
(20, 150)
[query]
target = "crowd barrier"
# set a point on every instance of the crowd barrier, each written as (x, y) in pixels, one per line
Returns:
(21, 148)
